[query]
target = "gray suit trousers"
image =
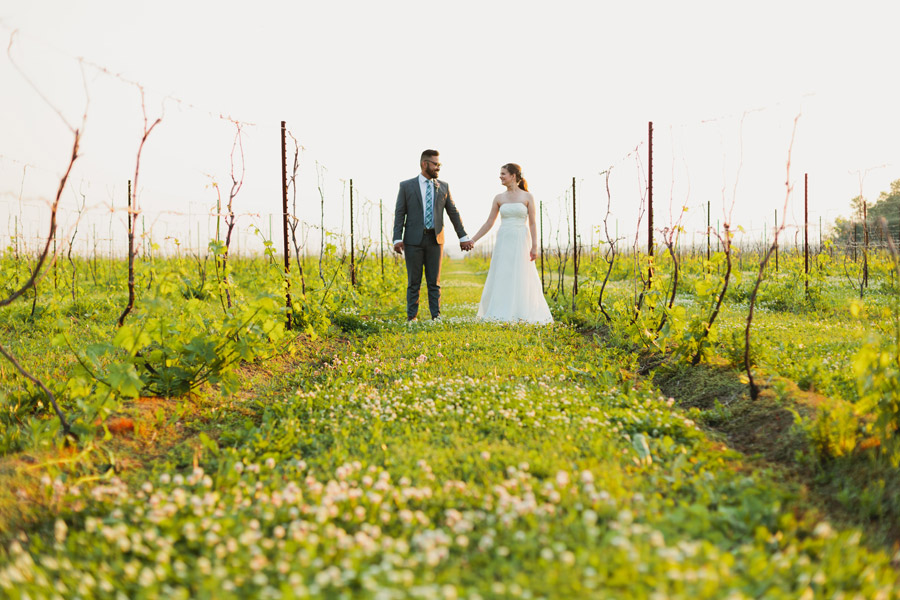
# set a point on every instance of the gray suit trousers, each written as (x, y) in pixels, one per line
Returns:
(428, 254)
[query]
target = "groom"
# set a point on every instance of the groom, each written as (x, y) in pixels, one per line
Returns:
(419, 231)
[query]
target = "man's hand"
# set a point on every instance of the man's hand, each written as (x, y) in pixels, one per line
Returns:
(466, 246)
(398, 247)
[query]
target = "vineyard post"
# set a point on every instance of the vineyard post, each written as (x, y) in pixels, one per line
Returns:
(575, 246)
(352, 240)
(806, 230)
(381, 233)
(650, 204)
(541, 207)
(189, 238)
(708, 227)
(93, 257)
(16, 251)
(865, 244)
(284, 205)
(776, 241)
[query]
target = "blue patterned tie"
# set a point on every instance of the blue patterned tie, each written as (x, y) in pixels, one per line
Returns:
(429, 206)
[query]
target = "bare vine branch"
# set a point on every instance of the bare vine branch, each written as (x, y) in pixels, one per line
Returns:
(295, 221)
(610, 254)
(754, 389)
(133, 209)
(38, 273)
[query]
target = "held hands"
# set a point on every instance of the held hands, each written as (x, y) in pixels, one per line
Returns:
(398, 247)
(466, 246)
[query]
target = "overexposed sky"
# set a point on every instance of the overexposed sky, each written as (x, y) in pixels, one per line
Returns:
(565, 89)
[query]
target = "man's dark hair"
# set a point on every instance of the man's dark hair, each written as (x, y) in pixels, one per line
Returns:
(429, 154)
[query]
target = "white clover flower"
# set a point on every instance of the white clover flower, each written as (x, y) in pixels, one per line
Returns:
(147, 577)
(823, 530)
(258, 563)
(60, 529)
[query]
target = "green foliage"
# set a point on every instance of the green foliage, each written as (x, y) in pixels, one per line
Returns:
(171, 350)
(180, 337)
(788, 293)
(833, 431)
(448, 459)
(877, 369)
(419, 460)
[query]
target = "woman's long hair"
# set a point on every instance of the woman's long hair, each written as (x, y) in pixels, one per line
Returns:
(516, 171)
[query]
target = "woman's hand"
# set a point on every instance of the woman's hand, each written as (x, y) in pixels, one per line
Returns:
(533, 254)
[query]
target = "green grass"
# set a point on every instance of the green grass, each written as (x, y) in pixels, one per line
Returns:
(441, 460)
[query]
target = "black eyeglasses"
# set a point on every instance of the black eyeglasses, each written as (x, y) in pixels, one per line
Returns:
(437, 164)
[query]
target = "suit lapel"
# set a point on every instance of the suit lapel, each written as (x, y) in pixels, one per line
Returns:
(417, 192)
(438, 192)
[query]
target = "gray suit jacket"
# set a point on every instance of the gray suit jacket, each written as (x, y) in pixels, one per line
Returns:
(409, 216)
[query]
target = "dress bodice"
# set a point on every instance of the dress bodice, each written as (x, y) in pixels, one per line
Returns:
(513, 213)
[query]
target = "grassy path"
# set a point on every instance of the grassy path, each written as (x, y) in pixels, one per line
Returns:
(450, 460)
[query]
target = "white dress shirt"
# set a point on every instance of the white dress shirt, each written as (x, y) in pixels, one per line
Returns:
(423, 184)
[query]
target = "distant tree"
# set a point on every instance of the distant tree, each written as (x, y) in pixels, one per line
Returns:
(887, 206)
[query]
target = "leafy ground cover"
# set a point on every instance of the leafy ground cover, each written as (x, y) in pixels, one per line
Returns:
(826, 361)
(439, 460)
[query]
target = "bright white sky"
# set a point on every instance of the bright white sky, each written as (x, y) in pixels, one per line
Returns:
(563, 88)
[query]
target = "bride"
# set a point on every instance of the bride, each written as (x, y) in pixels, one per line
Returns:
(513, 291)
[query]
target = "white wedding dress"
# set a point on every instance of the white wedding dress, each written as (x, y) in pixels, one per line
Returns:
(513, 291)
